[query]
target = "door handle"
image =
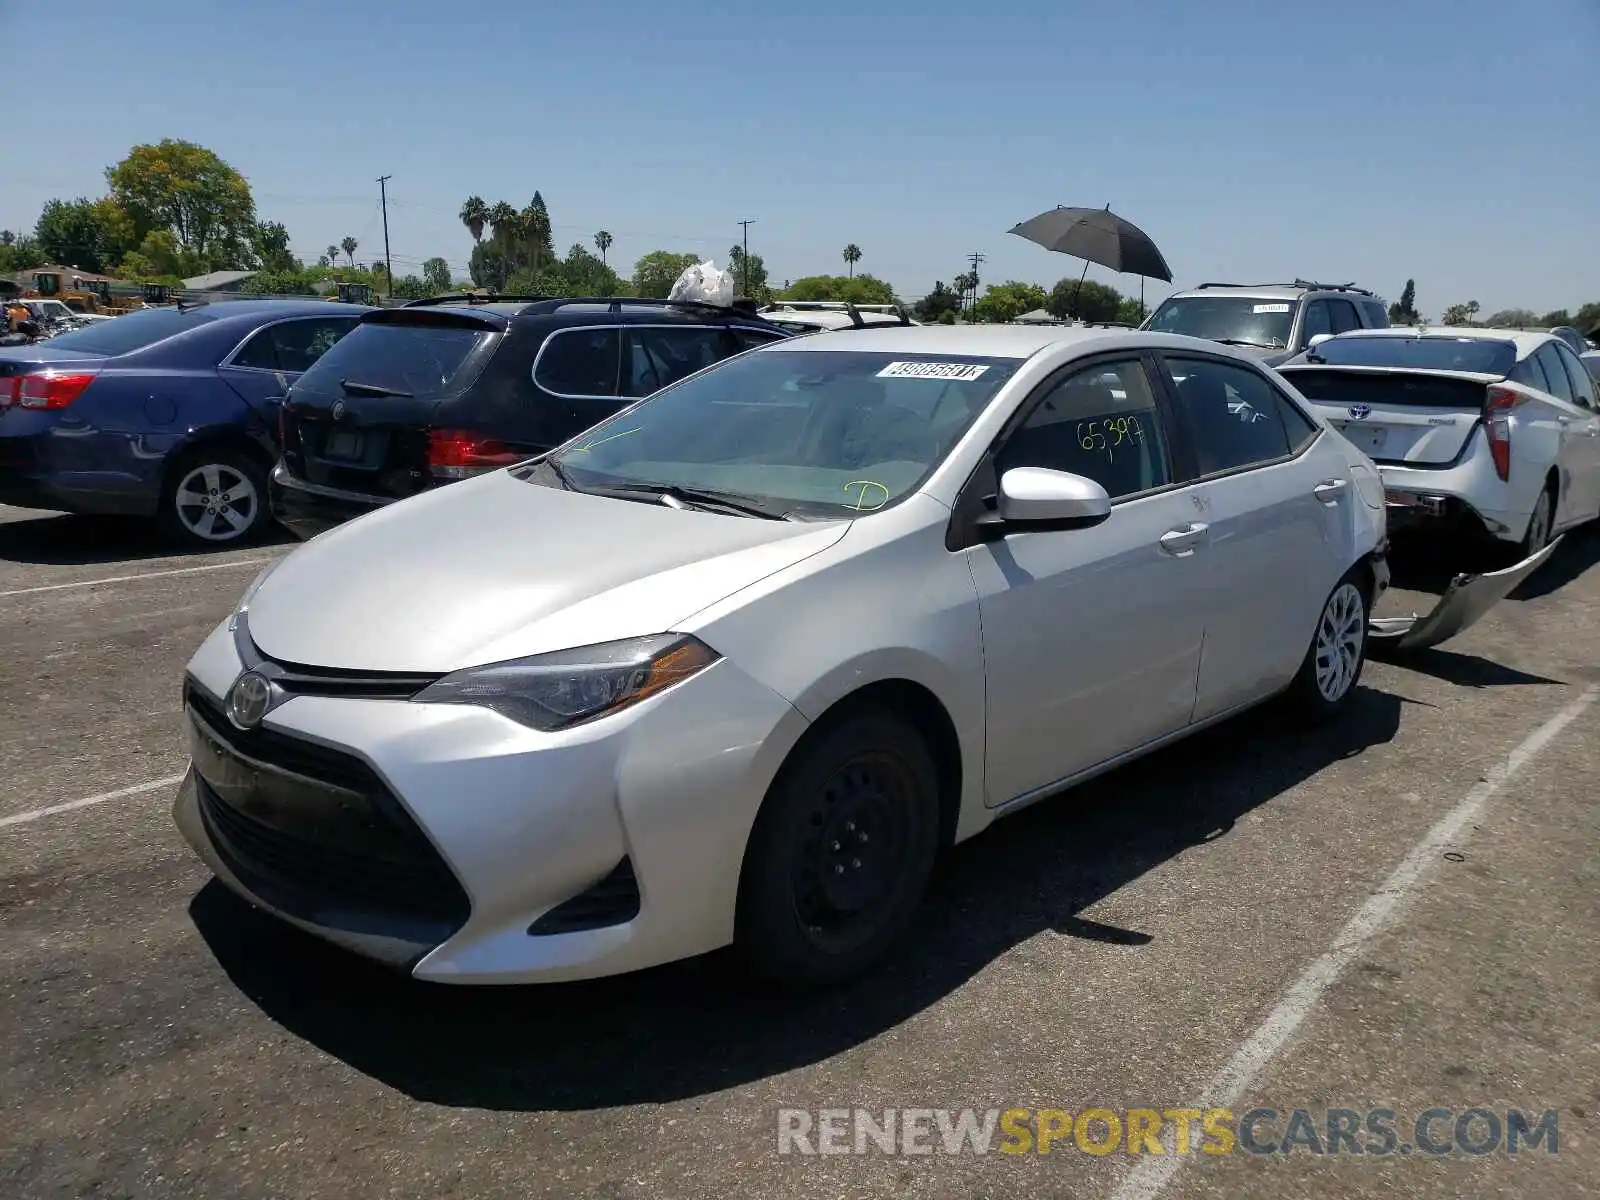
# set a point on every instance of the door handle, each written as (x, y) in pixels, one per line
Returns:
(1181, 543)
(1329, 490)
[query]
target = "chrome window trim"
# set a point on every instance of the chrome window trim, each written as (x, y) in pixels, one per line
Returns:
(533, 371)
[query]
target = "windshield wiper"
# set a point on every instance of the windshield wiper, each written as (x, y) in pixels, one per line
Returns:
(738, 504)
(370, 389)
(1245, 342)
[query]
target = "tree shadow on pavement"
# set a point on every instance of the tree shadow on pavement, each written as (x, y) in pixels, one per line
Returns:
(696, 1027)
(62, 539)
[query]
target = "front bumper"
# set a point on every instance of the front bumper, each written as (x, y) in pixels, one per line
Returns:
(523, 822)
(307, 509)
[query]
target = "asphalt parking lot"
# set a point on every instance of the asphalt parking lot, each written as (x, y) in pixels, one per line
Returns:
(1399, 911)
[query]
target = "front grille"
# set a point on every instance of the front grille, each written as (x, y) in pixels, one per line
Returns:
(612, 901)
(315, 832)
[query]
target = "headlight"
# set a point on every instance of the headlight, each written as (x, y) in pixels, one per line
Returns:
(249, 593)
(568, 687)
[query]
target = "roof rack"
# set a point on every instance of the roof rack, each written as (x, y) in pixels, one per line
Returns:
(1307, 284)
(827, 306)
(857, 323)
(614, 303)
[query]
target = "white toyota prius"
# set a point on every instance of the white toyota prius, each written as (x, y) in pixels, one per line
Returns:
(735, 666)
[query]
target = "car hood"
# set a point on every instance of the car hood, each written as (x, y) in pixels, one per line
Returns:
(498, 568)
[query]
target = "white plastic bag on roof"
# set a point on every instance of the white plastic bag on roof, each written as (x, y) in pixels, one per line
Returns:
(705, 284)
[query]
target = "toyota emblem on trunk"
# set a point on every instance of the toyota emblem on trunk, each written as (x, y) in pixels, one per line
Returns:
(1360, 412)
(248, 700)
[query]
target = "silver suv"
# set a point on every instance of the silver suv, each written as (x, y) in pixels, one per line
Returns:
(1273, 321)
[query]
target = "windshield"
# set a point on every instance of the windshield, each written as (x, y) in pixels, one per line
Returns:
(1254, 320)
(832, 433)
(132, 332)
(414, 359)
(1484, 356)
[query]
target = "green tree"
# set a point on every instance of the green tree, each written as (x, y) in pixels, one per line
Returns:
(20, 254)
(1130, 311)
(539, 250)
(1460, 314)
(271, 244)
(1404, 310)
(1556, 316)
(411, 287)
(189, 192)
(602, 243)
(1090, 302)
(68, 232)
(1587, 319)
(348, 245)
(938, 306)
(852, 255)
(858, 289)
(586, 275)
(333, 254)
(435, 277)
(749, 275)
(1006, 301)
(1513, 318)
(292, 282)
(7, 238)
(475, 215)
(656, 272)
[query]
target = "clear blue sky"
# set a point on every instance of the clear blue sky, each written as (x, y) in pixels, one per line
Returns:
(1373, 140)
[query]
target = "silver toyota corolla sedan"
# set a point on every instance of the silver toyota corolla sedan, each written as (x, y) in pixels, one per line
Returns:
(735, 665)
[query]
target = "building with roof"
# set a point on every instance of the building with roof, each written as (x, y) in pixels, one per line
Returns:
(219, 281)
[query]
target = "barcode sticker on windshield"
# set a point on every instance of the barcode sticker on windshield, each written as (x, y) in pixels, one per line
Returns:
(960, 372)
(1274, 308)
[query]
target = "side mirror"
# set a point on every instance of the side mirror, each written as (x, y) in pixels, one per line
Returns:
(1037, 497)
(1317, 340)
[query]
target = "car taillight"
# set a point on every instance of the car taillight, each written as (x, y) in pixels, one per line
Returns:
(459, 453)
(1497, 410)
(50, 389)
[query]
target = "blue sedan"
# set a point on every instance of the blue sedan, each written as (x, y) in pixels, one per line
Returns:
(169, 413)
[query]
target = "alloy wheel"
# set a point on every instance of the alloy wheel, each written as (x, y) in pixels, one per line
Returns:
(216, 502)
(1339, 640)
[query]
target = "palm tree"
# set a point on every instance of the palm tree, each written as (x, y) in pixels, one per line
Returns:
(475, 215)
(503, 219)
(852, 255)
(602, 242)
(333, 255)
(349, 247)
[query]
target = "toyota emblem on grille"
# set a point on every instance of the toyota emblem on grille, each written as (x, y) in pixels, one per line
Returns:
(337, 412)
(248, 700)
(1360, 412)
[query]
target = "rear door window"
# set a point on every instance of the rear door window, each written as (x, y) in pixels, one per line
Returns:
(292, 346)
(580, 362)
(1560, 386)
(1583, 389)
(415, 359)
(1318, 320)
(1234, 414)
(654, 356)
(1377, 315)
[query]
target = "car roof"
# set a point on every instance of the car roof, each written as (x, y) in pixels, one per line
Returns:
(1271, 291)
(1525, 340)
(228, 310)
(994, 341)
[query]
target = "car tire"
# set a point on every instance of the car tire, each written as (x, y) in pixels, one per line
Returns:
(1540, 521)
(1328, 676)
(841, 852)
(215, 496)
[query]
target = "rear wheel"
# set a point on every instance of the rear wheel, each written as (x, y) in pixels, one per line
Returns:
(841, 852)
(216, 496)
(1332, 667)
(1540, 522)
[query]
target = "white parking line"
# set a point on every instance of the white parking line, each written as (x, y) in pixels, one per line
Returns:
(1151, 1176)
(83, 583)
(137, 789)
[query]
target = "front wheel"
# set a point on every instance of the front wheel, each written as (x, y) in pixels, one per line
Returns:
(216, 497)
(841, 852)
(1332, 667)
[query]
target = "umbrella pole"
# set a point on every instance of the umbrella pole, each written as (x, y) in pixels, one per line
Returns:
(1141, 297)
(1077, 292)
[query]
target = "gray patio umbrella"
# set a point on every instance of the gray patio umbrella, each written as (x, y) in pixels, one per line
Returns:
(1097, 235)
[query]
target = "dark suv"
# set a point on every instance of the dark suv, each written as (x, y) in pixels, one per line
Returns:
(442, 389)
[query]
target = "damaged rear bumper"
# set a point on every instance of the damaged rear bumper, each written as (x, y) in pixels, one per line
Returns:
(1464, 602)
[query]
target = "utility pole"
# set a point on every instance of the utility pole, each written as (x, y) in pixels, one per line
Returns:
(744, 261)
(383, 199)
(972, 277)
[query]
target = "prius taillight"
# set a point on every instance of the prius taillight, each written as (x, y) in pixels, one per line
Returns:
(1497, 409)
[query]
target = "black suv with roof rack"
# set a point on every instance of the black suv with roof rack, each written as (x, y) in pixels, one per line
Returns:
(444, 388)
